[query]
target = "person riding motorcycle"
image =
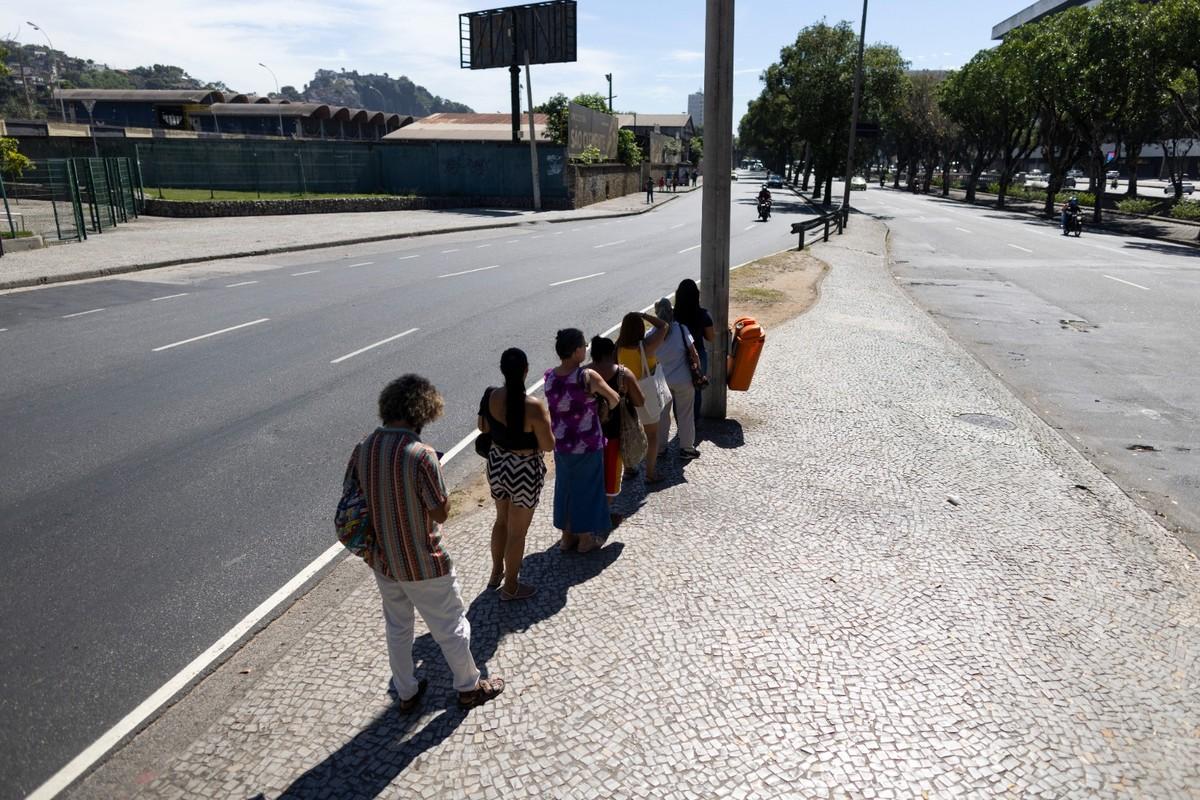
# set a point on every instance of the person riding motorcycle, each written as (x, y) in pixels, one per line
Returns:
(1069, 210)
(764, 198)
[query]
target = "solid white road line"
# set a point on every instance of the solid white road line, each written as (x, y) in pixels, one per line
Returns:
(306, 272)
(207, 335)
(1128, 283)
(451, 250)
(608, 244)
(168, 297)
(467, 271)
(134, 719)
(243, 283)
(581, 278)
(1018, 247)
(689, 249)
(964, 230)
(362, 350)
(82, 313)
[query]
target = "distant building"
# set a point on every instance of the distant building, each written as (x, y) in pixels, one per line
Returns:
(652, 129)
(453, 127)
(1037, 11)
(696, 108)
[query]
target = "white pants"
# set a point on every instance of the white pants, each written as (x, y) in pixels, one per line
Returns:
(682, 397)
(441, 607)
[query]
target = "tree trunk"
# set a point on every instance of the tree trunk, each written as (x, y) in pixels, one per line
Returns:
(1097, 175)
(828, 190)
(1005, 182)
(946, 175)
(1134, 152)
(896, 174)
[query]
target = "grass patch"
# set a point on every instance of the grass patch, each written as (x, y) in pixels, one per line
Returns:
(758, 294)
(19, 234)
(1132, 205)
(198, 195)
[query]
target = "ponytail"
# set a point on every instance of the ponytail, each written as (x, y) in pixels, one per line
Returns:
(513, 365)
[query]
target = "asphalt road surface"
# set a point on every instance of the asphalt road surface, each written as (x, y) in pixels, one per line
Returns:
(173, 441)
(1098, 334)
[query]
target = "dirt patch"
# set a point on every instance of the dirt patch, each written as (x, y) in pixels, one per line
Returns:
(776, 288)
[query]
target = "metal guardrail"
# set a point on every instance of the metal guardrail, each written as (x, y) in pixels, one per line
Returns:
(825, 220)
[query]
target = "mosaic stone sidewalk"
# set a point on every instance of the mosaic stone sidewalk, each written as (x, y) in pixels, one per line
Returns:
(855, 592)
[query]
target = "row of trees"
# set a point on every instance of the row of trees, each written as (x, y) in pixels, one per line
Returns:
(1123, 72)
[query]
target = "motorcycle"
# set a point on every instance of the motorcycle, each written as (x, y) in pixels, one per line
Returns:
(1074, 224)
(764, 210)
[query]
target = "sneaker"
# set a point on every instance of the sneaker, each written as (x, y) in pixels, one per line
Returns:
(688, 455)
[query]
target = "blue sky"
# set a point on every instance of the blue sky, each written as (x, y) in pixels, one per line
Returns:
(654, 48)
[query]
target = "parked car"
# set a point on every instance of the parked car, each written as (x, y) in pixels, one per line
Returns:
(858, 183)
(1188, 188)
(1075, 173)
(774, 181)
(1112, 175)
(733, 175)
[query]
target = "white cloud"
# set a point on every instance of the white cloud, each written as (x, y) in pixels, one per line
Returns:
(685, 56)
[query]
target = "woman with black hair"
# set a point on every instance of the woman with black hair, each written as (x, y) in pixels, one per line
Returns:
(520, 429)
(621, 381)
(572, 392)
(690, 314)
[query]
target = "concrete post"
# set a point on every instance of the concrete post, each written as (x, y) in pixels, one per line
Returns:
(858, 70)
(714, 228)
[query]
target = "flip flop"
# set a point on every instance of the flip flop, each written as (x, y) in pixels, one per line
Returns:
(524, 592)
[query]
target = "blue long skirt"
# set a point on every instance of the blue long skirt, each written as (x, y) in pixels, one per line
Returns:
(579, 502)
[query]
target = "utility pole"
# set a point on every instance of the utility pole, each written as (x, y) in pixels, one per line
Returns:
(533, 162)
(608, 77)
(858, 71)
(715, 209)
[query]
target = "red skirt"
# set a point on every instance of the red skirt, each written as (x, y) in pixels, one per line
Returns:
(613, 467)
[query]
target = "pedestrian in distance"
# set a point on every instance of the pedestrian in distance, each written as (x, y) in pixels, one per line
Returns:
(620, 380)
(635, 352)
(572, 393)
(699, 323)
(649, 190)
(694, 175)
(662, 183)
(394, 487)
(519, 427)
(677, 350)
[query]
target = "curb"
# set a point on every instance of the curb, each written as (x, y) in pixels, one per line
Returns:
(103, 272)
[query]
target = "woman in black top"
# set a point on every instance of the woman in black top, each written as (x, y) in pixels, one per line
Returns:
(699, 323)
(520, 429)
(621, 381)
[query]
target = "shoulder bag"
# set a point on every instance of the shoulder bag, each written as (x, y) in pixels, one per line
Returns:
(654, 387)
(699, 379)
(353, 520)
(483, 442)
(633, 435)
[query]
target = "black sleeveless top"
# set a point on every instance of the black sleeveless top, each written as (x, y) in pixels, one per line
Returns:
(501, 435)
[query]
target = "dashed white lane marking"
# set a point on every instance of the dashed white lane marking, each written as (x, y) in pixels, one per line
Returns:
(539, 236)
(750, 226)
(306, 272)
(406, 258)
(558, 233)
(2, 330)
(468, 271)
(676, 227)
(690, 249)
(362, 350)
(451, 250)
(1128, 283)
(168, 297)
(207, 335)
(576, 230)
(1018, 247)
(581, 278)
(235, 285)
(82, 313)
(964, 230)
(360, 264)
(608, 244)
(481, 246)
(512, 241)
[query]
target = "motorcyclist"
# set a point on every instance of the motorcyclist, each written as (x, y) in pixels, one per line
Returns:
(1069, 209)
(764, 198)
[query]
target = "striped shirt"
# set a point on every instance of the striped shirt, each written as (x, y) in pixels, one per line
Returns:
(402, 484)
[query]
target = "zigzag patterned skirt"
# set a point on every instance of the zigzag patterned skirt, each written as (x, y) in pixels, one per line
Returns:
(516, 478)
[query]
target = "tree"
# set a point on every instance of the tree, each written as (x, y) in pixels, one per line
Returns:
(1178, 25)
(557, 115)
(12, 163)
(697, 146)
(628, 152)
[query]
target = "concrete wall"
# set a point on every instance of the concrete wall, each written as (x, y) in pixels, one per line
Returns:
(260, 208)
(595, 183)
(465, 169)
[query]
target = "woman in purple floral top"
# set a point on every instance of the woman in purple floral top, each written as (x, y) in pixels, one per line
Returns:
(580, 507)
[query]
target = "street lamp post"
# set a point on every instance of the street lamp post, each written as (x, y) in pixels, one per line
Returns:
(608, 77)
(858, 71)
(382, 103)
(277, 109)
(62, 108)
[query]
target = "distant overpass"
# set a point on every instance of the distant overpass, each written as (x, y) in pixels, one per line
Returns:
(1039, 10)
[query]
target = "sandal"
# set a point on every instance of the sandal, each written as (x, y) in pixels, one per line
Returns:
(495, 582)
(410, 705)
(487, 689)
(524, 592)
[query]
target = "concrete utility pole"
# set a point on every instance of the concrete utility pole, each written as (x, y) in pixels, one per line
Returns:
(714, 227)
(533, 163)
(858, 71)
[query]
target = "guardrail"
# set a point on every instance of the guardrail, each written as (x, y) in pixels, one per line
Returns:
(825, 220)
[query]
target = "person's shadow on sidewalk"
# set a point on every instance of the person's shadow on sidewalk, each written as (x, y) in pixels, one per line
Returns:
(368, 763)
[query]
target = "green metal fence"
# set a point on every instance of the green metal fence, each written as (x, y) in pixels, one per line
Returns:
(65, 199)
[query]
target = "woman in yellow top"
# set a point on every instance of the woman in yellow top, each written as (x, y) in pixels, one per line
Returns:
(629, 355)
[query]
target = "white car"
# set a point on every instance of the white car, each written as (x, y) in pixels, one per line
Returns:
(858, 182)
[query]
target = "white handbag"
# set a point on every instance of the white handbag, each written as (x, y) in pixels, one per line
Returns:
(654, 387)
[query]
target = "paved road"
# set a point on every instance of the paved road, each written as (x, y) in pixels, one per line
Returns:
(1098, 334)
(173, 442)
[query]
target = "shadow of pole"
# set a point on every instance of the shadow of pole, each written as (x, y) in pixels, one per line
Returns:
(368, 763)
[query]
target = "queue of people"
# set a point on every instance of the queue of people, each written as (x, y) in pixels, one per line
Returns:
(602, 420)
